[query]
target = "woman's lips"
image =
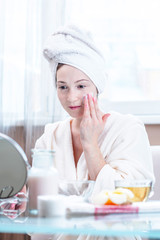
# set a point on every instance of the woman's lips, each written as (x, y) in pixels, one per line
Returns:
(74, 107)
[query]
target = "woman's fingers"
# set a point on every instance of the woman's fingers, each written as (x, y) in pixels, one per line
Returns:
(91, 109)
(97, 110)
(86, 107)
(92, 106)
(105, 117)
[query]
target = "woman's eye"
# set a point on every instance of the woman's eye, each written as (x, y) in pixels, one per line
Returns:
(63, 87)
(81, 86)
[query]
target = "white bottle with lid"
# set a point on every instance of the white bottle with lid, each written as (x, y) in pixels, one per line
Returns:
(43, 176)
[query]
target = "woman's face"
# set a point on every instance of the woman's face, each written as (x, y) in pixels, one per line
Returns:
(72, 86)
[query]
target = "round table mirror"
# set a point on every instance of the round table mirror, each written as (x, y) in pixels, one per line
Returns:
(13, 167)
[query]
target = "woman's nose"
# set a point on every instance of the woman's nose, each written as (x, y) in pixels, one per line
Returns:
(72, 96)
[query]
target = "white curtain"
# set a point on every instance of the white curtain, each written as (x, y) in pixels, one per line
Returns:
(27, 96)
(129, 40)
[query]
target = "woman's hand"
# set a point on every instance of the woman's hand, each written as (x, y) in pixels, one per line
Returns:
(92, 123)
(10, 205)
(91, 127)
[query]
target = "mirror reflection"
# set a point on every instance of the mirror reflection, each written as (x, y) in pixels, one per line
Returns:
(13, 167)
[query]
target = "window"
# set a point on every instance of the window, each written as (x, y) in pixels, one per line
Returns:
(126, 31)
(12, 47)
(25, 78)
(128, 34)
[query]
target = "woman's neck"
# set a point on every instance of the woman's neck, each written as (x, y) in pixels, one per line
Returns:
(76, 142)
(76, 124)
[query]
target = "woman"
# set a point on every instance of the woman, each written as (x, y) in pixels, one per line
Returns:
(90, 144)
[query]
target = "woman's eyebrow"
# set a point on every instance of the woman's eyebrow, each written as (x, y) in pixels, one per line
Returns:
(60, 82)
(81, 80)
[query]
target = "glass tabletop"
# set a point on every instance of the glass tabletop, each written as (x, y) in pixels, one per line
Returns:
(145, 225)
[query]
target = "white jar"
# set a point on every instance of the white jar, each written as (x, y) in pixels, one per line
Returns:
(43, 176)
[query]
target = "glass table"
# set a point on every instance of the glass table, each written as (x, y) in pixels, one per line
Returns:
(145, 225)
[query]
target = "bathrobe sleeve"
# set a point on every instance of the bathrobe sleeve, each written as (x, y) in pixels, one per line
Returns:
(126, 150)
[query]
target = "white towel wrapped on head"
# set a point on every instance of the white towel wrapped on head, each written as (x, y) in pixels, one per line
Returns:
(73, 46)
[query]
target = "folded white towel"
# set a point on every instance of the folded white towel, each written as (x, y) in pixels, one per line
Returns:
(73, 46)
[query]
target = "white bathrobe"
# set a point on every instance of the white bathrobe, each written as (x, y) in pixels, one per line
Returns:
(123, 143)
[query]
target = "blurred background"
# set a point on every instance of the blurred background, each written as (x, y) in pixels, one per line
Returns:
(126, 31)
